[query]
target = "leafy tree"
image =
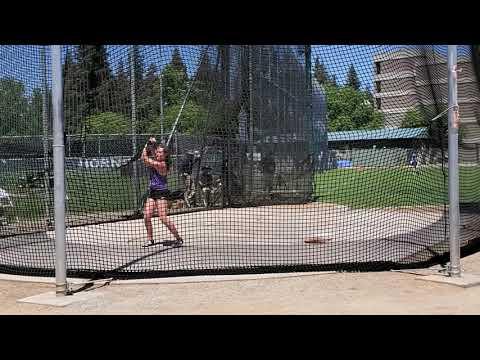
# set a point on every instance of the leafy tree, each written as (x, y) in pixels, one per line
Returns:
(421, 116)
(349, 109)
(352, 78)
(108, 123)
(192, 120)
(174, 89)
(341, 123)
(14, 108)
(35, 112)
(413, 118)
(89, 86)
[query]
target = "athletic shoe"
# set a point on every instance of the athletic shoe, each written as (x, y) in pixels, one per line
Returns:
(178, 243)
(148, 243)
(174, 243)
(168, 242)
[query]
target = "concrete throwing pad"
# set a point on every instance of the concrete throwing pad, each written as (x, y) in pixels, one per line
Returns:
(465, 281)
(232, 238)
(50, 298)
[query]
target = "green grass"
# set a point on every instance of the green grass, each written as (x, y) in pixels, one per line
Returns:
(109, 191)
(368, 188)
(103, 191)
(88, 191)
(28, 203)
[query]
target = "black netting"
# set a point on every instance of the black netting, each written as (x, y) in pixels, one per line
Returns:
(280, 157)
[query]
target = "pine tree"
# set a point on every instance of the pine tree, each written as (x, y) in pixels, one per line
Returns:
(96, 77)
(320, 73)
(74, 97)
(175, 80)
(150, 79)
(177, 62)
(333, 80)
(121, 91)
(149, 103)
(136, 60)
(138, 66)
(205, 80)
(104, 79)
(89, 85)
(369, 96)
(352, 78)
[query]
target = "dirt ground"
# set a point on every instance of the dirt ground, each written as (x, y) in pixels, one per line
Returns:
(328, 293)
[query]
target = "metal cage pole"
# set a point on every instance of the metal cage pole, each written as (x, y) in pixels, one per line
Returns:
(453, 169)
(59, 172)
(226, 120)
(46, 175)
(308, 106)
(161, 100)
(134, 124)
(251, 122)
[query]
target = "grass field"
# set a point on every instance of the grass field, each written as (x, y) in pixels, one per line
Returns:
(28, 203)
(104, 190)
(109, 191)
(376, 187)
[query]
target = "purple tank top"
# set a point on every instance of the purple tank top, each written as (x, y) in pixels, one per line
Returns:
(157, 181)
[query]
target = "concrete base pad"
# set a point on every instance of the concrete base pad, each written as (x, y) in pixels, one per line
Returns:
(166, 280)
(217, 278)
(51, 299)
(423, 272)
(465, 281)
(38, 279)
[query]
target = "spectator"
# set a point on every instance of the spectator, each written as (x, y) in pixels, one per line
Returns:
(268, 169)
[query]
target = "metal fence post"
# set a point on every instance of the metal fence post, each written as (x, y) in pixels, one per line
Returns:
(453, 170)
(134, 124)
(161, 101)
(46, 174)
(251, 122)
(59, 172)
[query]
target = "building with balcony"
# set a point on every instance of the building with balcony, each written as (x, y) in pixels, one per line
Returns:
(408, 78)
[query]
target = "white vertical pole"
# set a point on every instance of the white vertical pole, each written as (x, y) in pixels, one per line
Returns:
(134, 123)
(59, 172)
(161, 98)
(251, 118)
(453, 182)
(161, 106)
(43, 58)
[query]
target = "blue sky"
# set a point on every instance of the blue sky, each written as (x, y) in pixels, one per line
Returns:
(23, 62)
(337, 58)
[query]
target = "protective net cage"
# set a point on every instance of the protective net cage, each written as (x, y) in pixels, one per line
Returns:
(277, 158)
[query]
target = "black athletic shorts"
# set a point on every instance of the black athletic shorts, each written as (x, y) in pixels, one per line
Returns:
(159, 194)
